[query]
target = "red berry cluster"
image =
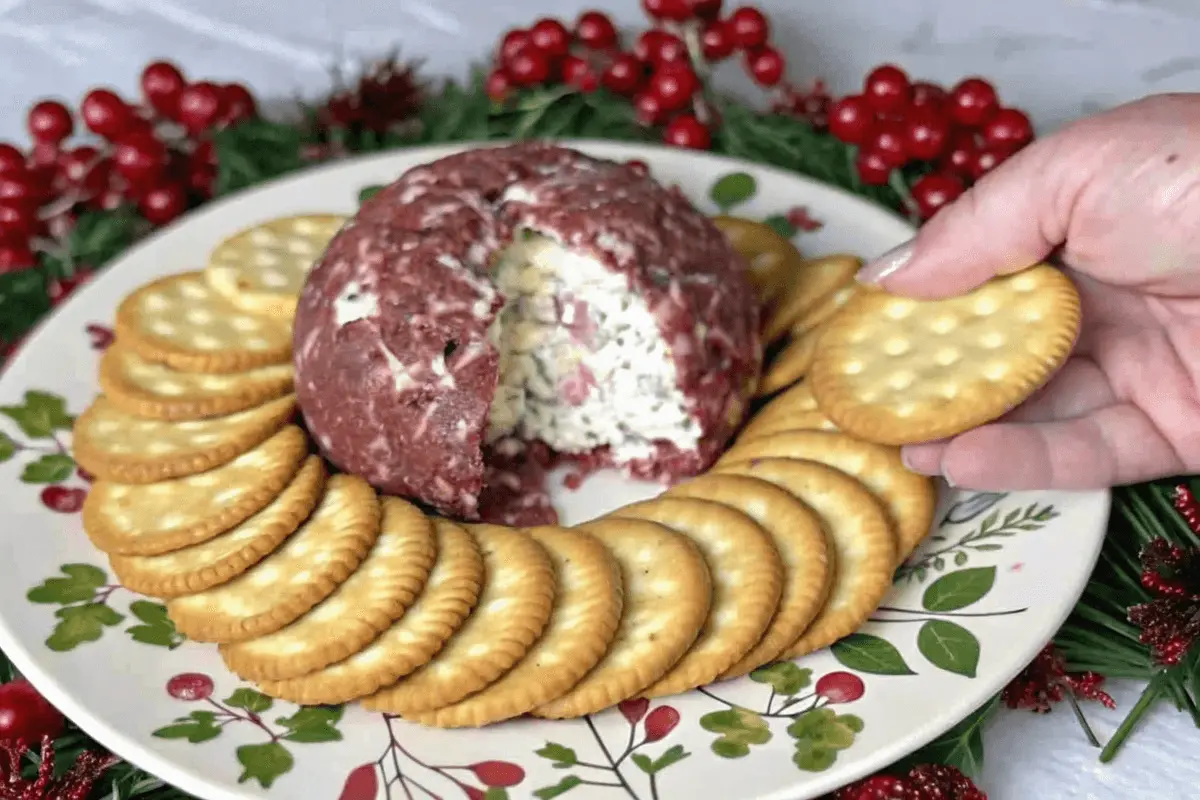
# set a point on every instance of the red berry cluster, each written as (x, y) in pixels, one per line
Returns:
(964, 132)
(154, 154)
(923, 782)
(1170, 622)
(1046, 682)
(663, 73)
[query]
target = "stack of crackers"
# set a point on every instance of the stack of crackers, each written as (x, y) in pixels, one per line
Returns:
(319, 591)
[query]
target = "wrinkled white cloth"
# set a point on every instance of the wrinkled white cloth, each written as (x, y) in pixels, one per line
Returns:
(1056, 59)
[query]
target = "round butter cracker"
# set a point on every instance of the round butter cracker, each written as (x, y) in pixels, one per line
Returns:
(816, 280)
(772, 258)
(383, 587)
(149, 519)
(146, 389)
(586, 613)
(116, 446)
(790, 364)
(262, 269)
(747, 579)
(180, 321)
(668, 592)
(448, 596)
(514, 607)
(219, 560)
(794, 409)
(306, 569)
(900, 371)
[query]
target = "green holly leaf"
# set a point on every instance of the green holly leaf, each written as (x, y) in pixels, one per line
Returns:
(156, 628)
(23, 300)
(812, 757)
(313, 724)
(197, 727)
(780, 224)
(80, 585)
(40, 415)
(100, 235)
(562, 756)
(8, 447)
(961, 746)
(249, 699)
(50, 468)
(733, 189)
(949, 646)
(367, 192)
(562, 787)
(959, 589)
(873, 655)
(739, 730)
(81, 624)
(784, 677)
(264, 762)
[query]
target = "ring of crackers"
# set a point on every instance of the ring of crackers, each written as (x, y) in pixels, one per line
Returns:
(794, 409)
(448, 597)
(146, 389)
(900, 371)
(116, 446)
(772, 258)
(303, 571)
(790, 364)
(816, 279)
(180, 321)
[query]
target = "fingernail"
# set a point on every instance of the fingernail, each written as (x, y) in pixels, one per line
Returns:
(886, 265)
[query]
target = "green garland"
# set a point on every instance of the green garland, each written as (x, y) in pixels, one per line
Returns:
(1098, 636)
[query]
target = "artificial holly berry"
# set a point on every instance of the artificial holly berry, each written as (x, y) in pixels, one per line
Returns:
(20, 187)
(25, 716)
(596, 30)
(926, 94)
(200, 106)
(140, 158)
(850, 119)
(706, 9)
(62, 499)
(934, 191)
(688, 131)
(926, 132)
(674, 86)
(163, 203)
(11, 159)
(749, 27)
(1184, 501)
(529, 66)
(551, 37)
(887, 89)
(105, 114)
(986, 159)
(766, 66)
(498, 85)
(16, 257)
(578, 72)
(659, 47)
(50, 122)
(960, 153)
(1008, 128)
(672, 10)
(237, 104)
(513, 42)
(888, 138)
(648, 108)
(943, 781)
(972, 102)
(873, 167)
(878, 787)
(624, 75)
(18, 221)
(162, 83)
(716, 41)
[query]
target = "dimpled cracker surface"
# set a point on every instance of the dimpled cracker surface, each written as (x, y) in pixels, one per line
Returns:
(444, 603)
(862, 541)
(182, 322)
(812, 320)
(794, 409)
(668, 592)
(772, 258)
(383, 587)
(514, 607)
(815, 280)
(221, 559)
(306, 569)
(152, 518)
(908, 497)
(117, 446)
(899, 371)
(146, 389)
(586, 613)
(747, 579)
(808, 560)
(262, 269)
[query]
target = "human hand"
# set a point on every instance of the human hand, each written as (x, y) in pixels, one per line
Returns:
(1120, 194)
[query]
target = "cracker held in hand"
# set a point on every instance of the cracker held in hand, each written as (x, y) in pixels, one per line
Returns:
(116, 446)
(181, 322)
(146, 389)
(514, 607)
(586, 613)
(383, 587)
(816, 280)
(440, 610)
(900, 371)
(862, 541)
(220, 560)
(306, 569)
(908, 497)
(153, 518)
(808, 561)
(262, 269)
(772, 258)
(668, 591)
(747, 577)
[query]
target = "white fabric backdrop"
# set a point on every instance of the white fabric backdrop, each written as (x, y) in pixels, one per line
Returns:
(1055, 58)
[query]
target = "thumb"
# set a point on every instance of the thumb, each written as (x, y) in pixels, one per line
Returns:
(1012, 218)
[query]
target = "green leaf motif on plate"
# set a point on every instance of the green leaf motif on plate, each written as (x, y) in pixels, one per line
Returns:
(672, 756)
(196, 727)
(81, 624)
(959, 589)
(561, 756)
(820, 735)
(949, 646)
(156, 627)
(313, 725)
(8, 447)
(739, 729)
(874, 655)
(50, 468)
(781, 225)
(495, 793)
(733, 189)
(40, 415)
(80, 585)
(557, 790)
(785, 677)
(264, 762)
(250, 700)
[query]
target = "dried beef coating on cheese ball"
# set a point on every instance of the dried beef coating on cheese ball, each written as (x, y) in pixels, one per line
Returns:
(524, 292)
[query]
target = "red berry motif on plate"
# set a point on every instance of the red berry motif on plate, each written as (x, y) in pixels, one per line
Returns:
(633, 710)
(190, 686)
(840, 687)
(361, 784)
(26, 716)
(63, 499)
(660, 722)
(501, 774)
